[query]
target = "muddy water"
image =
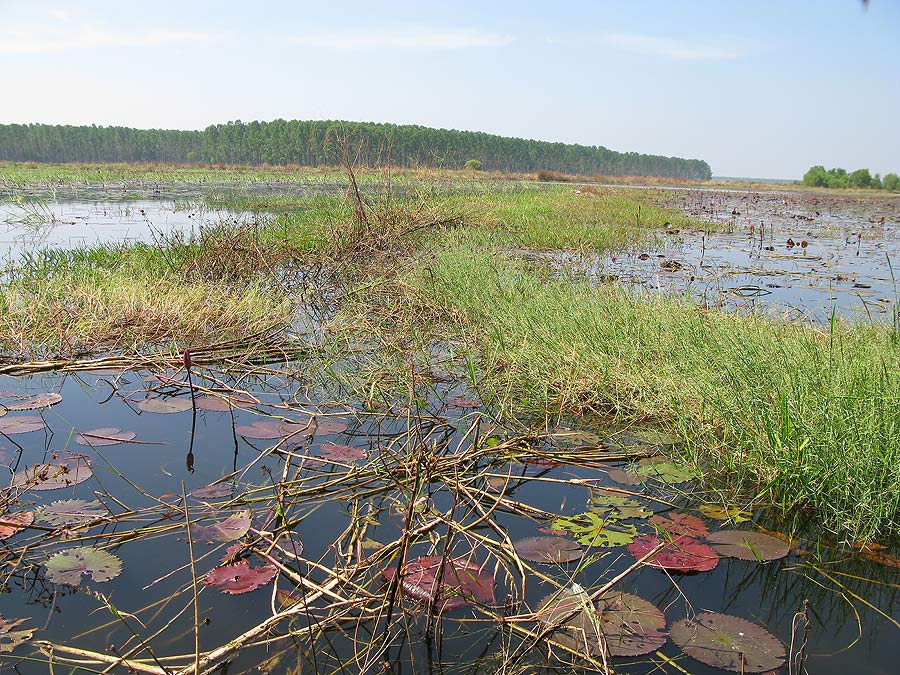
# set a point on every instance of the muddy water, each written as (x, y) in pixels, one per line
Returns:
(357, 482)
(73, 224)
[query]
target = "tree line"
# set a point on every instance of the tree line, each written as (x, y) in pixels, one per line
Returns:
(819, 176)
(315, 143)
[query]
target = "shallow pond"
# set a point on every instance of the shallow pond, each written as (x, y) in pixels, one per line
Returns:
(312, 498)
(804, 257)
(30, 226)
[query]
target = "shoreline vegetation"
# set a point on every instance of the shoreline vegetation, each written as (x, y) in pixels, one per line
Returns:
(796, 415)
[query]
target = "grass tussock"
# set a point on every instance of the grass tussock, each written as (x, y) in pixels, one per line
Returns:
(805, 417)
(77, 313)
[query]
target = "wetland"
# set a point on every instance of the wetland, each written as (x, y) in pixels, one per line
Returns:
(352, 421)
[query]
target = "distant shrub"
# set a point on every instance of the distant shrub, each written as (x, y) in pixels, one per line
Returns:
(473, 165)
(548, 176)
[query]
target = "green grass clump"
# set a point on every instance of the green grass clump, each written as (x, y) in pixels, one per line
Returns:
(803, 416)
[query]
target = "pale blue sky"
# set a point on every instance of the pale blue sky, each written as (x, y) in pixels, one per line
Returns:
(761, 89)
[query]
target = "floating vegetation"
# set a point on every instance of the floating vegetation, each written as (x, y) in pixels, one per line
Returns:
(728, 642)
(68, 566)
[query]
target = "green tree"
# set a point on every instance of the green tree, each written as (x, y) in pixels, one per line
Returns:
(861, 178)
(891, 181)
(473, 164)
(816, 176)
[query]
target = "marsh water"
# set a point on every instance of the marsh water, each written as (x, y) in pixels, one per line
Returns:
(322, 484)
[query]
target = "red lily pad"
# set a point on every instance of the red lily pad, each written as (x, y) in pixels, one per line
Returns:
(233, 527)
(37, 402)
(165, 405)
(20, 424)
(326, 426)
(462, 581)
(341, 453)
(222, 403)
(62, 472)
(748, 545)
(464, 403)
(213, 491)
(728, 642)
(104, 436)
(271, 429)
(626, 477)
(10, 523)
(631, 625)
(239, 577)
(682, 554)
(548, 549)
(625, 624)
(680, 523)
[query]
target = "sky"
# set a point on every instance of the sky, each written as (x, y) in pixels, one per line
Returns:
(757, 89)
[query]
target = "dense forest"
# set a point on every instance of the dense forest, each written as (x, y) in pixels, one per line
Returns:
(818, 176)
(314, 143)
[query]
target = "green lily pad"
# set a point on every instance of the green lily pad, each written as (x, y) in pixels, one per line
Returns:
(592, 529)
(728, 642)
(717, 512)
(68, 566)
(665, 470)
(617, 507)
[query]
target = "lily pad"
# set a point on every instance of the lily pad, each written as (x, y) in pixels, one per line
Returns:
(462, 581)
(592, 529)
(271, 429)
(10, 523)
(21, 424)
(239, 577)
(70, 512)
(213, 491)
(222, 403)
(37, 402)
(631, 625)
(616, 506)
(165, 405)
(233, 527)
(680, 523)
(627, 624)
(11, 638)
(717, 512)
(626, 477)
(460, 402)
(548, 550)
(104, 436)
(682, 554)
(60, 473)
(341, 453)
(327, 426)
(575, 437)
(748, 545)
(665, 470)
(68, 566)
(728, 642)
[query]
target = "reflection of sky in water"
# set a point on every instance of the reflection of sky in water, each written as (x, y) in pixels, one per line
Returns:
(155, 468)
(761, 264)
(63, 225)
